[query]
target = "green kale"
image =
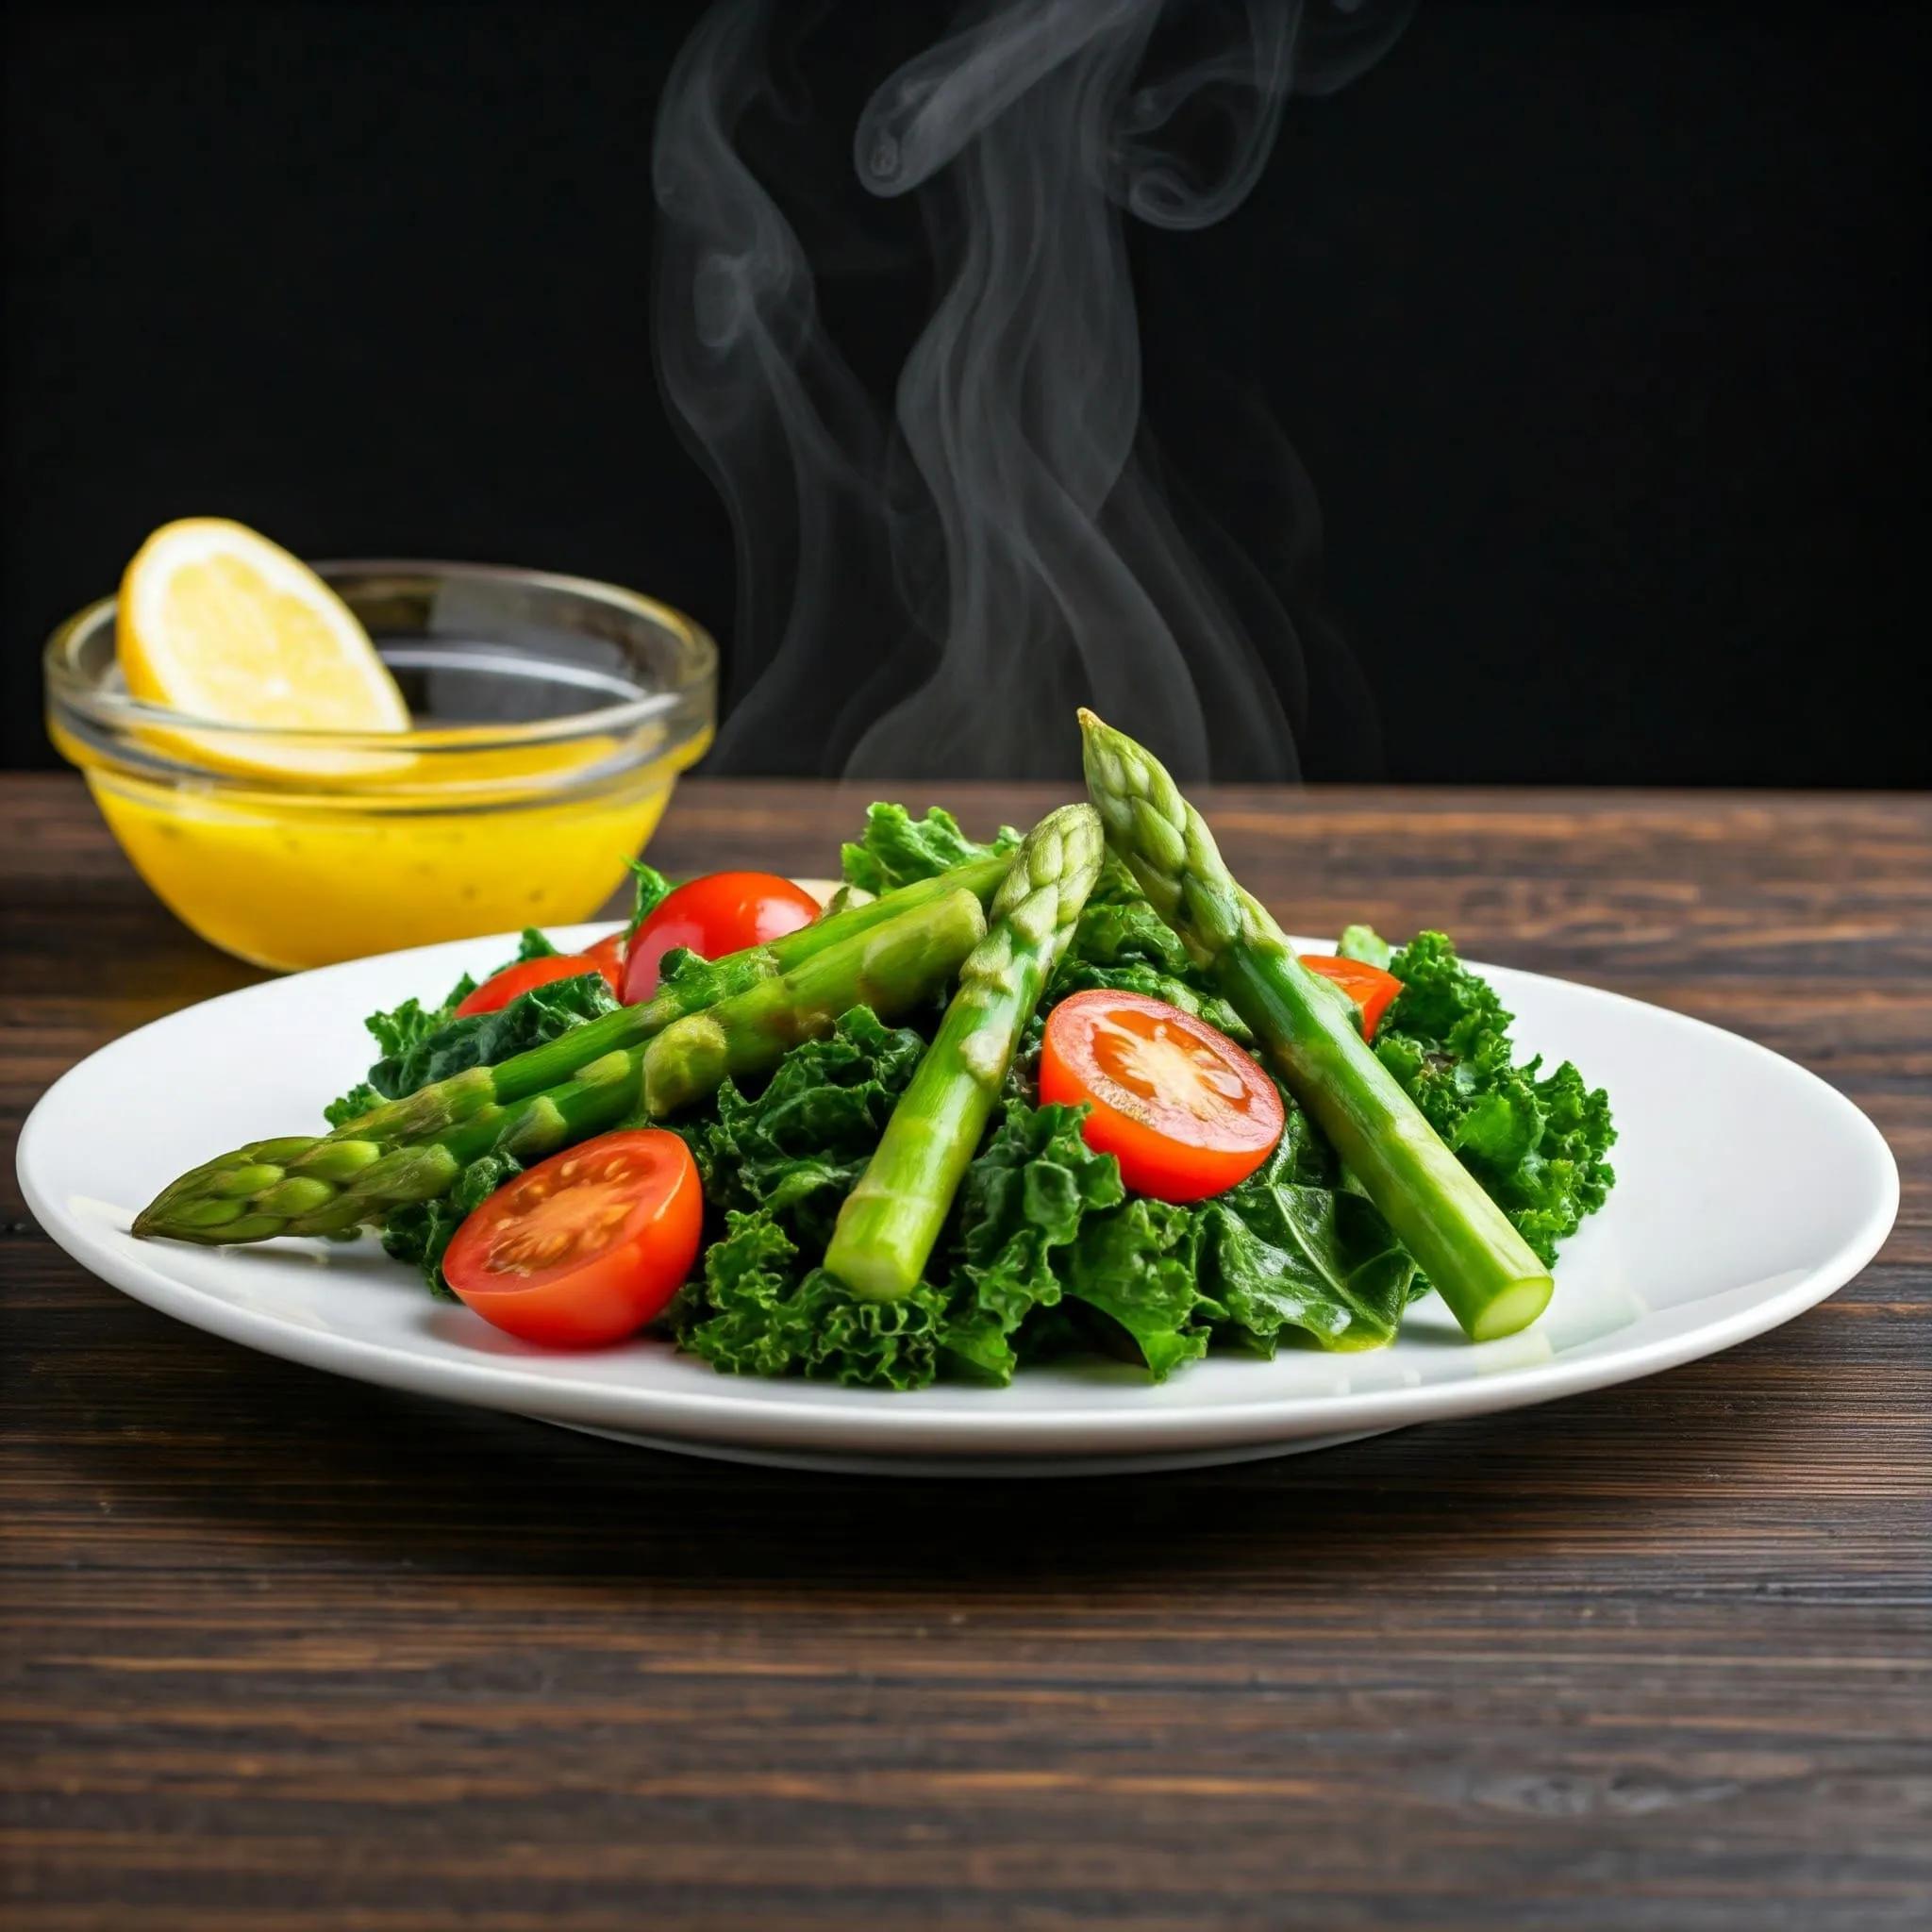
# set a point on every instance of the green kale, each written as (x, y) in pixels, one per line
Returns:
(897, 848)
(1294, 1246)
(798, 1148)
(1128, 932)
(397, 1035)
(1024, 1201)
(475, 1039)
(1124, 945)
(760, 1313)
(1535, 1142)
(1138, 1267)
(420, 1233)
(360, 1099)
(420, 1045)
(401, 1031)
(651, 890)
(1365, 943)
(531, 944)
(776, 1167)
(413, 1037)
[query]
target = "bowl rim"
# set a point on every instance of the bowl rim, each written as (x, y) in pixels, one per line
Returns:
(117, 711)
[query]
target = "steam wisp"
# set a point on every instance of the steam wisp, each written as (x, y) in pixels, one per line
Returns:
(936, 597)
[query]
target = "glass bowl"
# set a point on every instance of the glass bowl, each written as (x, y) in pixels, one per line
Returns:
(552, 716)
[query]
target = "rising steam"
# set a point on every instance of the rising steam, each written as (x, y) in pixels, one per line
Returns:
(934, 598)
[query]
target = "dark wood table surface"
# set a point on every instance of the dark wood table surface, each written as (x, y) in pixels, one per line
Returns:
(282, 1651)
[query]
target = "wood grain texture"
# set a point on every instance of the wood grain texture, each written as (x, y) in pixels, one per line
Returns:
(286, 1654)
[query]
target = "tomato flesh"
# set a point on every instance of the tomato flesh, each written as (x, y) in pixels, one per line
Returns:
(501, 987)
(587, 1247)
(723, 912)
(1370, 987)
(1182, 1108)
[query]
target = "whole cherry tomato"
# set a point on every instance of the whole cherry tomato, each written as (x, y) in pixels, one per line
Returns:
(724, 912)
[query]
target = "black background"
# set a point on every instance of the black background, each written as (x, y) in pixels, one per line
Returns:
(1602, 331)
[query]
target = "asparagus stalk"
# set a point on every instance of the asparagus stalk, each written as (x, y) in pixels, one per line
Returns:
(354, 1177)
(1482, 1267)
(889, 968)
(891, 1219)
(485, 1095)
(418, 1115)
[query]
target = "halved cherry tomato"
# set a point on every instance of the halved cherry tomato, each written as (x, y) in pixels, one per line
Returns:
(586, 1247)
(607, 956)
(1182, 1108)
(501, 987)
(1368, 987)
(720, 914)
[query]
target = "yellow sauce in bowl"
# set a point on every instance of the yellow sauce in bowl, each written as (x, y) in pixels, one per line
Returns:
(300, 849)
(290, 887)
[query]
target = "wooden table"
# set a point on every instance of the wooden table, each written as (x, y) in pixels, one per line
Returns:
(286, 1652)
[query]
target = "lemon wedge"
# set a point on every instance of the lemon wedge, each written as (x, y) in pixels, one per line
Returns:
(216, 622)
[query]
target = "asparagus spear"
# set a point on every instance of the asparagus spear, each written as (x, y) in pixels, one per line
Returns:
(422, 1142)
(891, 1219)
(890, 968)
(428, 1111)
(1481, 1266)
(485, 1093)
(541, 1066)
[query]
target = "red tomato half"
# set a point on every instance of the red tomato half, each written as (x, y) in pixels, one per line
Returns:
(501, 987)
(607, 956)
(723, 912)
(1368, 986)
(1182, 1108)
(587, 1246)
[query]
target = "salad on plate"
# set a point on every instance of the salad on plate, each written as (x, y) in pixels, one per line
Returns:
(1065, 1095)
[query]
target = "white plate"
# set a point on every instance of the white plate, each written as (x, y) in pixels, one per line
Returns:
(1747, 1189)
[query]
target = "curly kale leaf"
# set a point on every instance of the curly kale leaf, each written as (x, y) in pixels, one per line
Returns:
(1365, 943)
(897, 848)
(531, 944)
(1024, 1201)
(1121, 945)
(1293, 1246)
(398, 1034)
(1126, 932)
(420, 1233)
(651, 890)
(761, 1311)
(778, 1165)
(1116, 886)
(1076, 975)
(1138, 1267)
(360, 1099)
(1535, 1141)
(481, 1040)
(1039, 1214)
(423, 1044)
(798, 1148)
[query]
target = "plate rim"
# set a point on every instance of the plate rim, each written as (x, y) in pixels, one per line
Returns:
(869, 1427)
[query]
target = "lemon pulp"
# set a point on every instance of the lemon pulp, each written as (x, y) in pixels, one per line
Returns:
(217, 622)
